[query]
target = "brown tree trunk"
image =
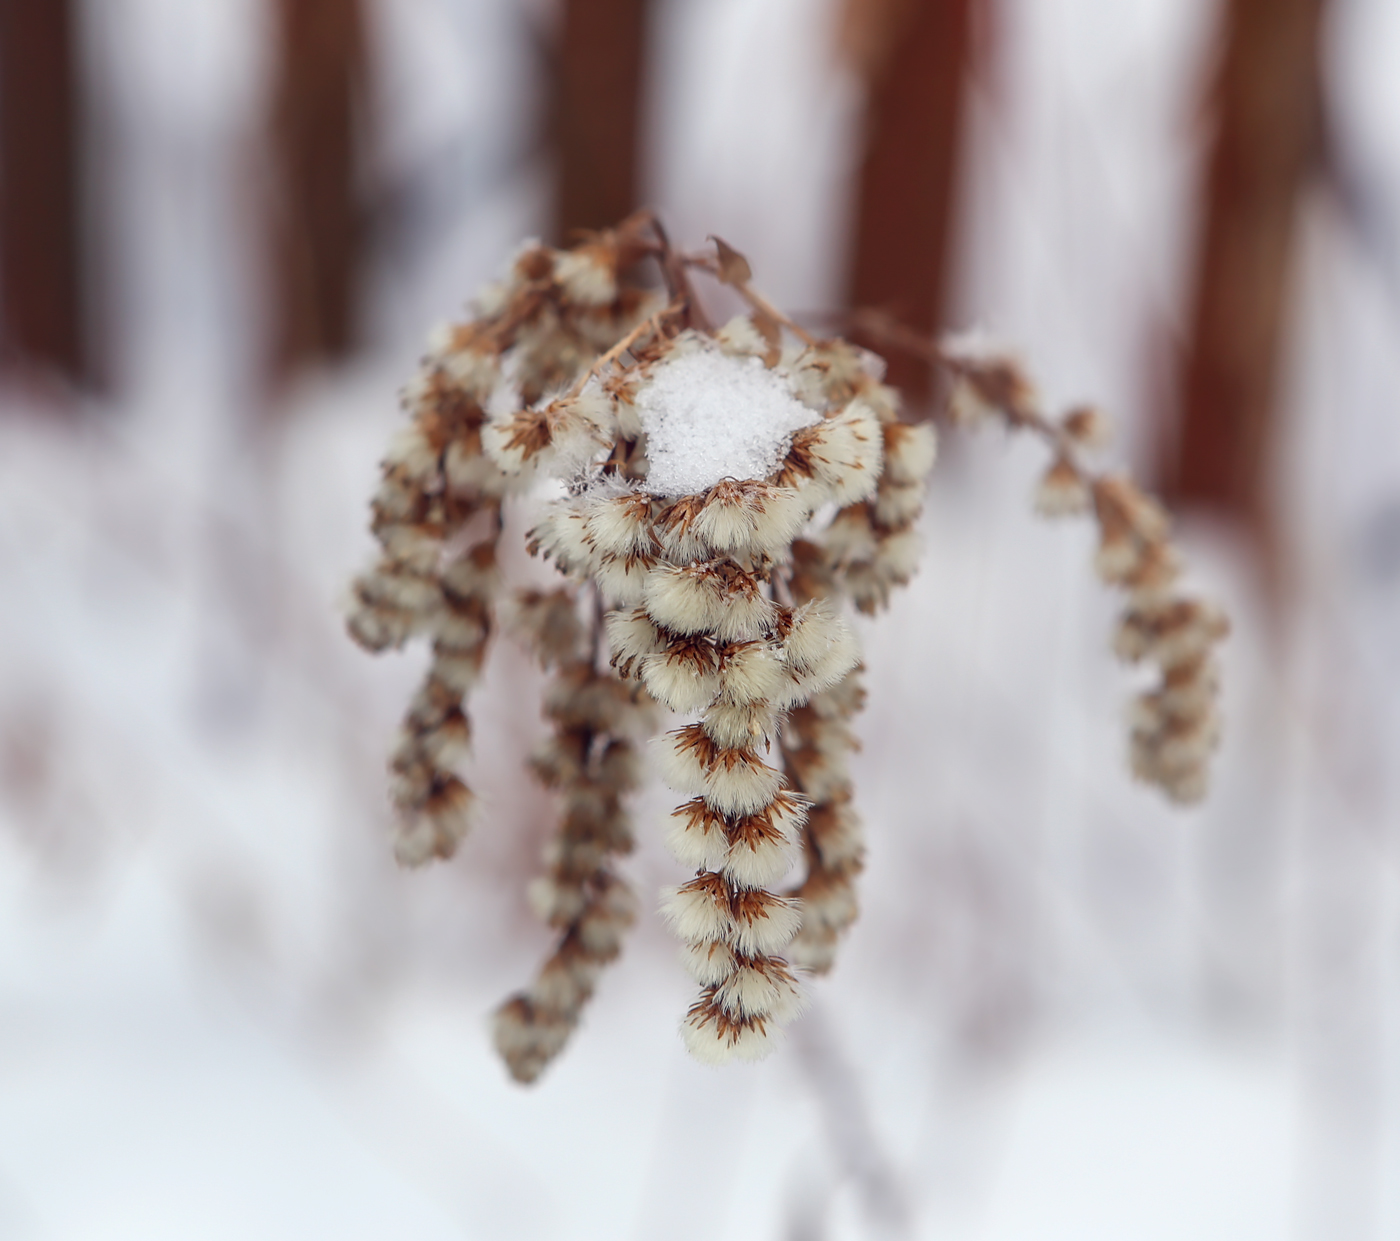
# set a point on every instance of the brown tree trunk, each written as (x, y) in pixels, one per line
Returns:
(913, 55)
(40, 212)
(319, 97)
(597, 109)
(1266, 144)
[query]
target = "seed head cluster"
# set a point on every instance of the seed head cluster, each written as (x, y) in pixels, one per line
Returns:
(725, 493)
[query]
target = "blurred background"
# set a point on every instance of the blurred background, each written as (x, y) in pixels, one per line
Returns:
(1068, 1010)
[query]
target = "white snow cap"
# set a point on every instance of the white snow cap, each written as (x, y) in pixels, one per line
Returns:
(709, 416)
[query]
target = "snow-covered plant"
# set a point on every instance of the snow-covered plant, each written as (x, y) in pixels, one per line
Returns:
(711, 499)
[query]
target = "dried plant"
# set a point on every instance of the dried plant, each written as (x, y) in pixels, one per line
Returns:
(1175, 726)
(712, 498)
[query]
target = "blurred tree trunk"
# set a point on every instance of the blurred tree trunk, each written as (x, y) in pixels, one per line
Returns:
(913, 56)
(319, 97)
(596, 112)
(40, 211)
(1267, 105)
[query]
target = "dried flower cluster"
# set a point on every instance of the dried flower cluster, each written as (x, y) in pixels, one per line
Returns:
(592, 761)
(437, 513)
(1175, 726)
(723, 493)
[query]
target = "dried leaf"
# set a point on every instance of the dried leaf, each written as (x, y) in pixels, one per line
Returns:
(733, 267)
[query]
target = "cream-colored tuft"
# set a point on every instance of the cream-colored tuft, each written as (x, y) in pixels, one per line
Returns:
(731, 724)
(685, 601)
(741, 338)
(711, 1043)
(751, 518)
(762, 923)
(850, 537)
(821, 649)
(558, 439)
(620, 525)
(751, 672)
(848, 454)
(897, 505)
(758, 861)
(560, 536)
(555, 903)
(678, 683)
(763, 989)
(469, 472)
(740, 783)
(415, 546)
(459, 671)
(679, 763)
(476, 372)
(910, 451)
(622, 579)
(697, 837)
(898, 558)
(743, 616)
(586, 276)
(410, 452)
(708, 963)
(631, 636)
(698, 912)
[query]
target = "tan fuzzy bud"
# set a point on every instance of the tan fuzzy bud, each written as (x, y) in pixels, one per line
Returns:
(546, 621)
(844, 453)
(713, 1037)
(377, 627)
(897, 506)
(560, 536)
(631, 637)
(413, 455)
(731, 724)
(622, 579)
(732, 781)
(709, 963)
(697, 836)
(1062, 491)
(910, 451)
(587, 276)
(688, 600)
(741, 338)
(751, 673)
(620, 526)
(851, 537)
(684, 677)
(415, 546)
(762, 987)
(762, 922)
(750, 518)
(1088, 427)
(760, 852)
(829, 901)
(458, 669)
(528, 1040)
(698, 912)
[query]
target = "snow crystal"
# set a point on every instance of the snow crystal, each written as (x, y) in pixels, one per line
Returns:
(709, 416)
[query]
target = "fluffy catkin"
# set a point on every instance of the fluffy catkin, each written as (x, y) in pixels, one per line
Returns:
(869, 548)
(739, 829)
(437, 511)
(1174, 727)
(590, 760)
(816, 744)
(429, 582)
